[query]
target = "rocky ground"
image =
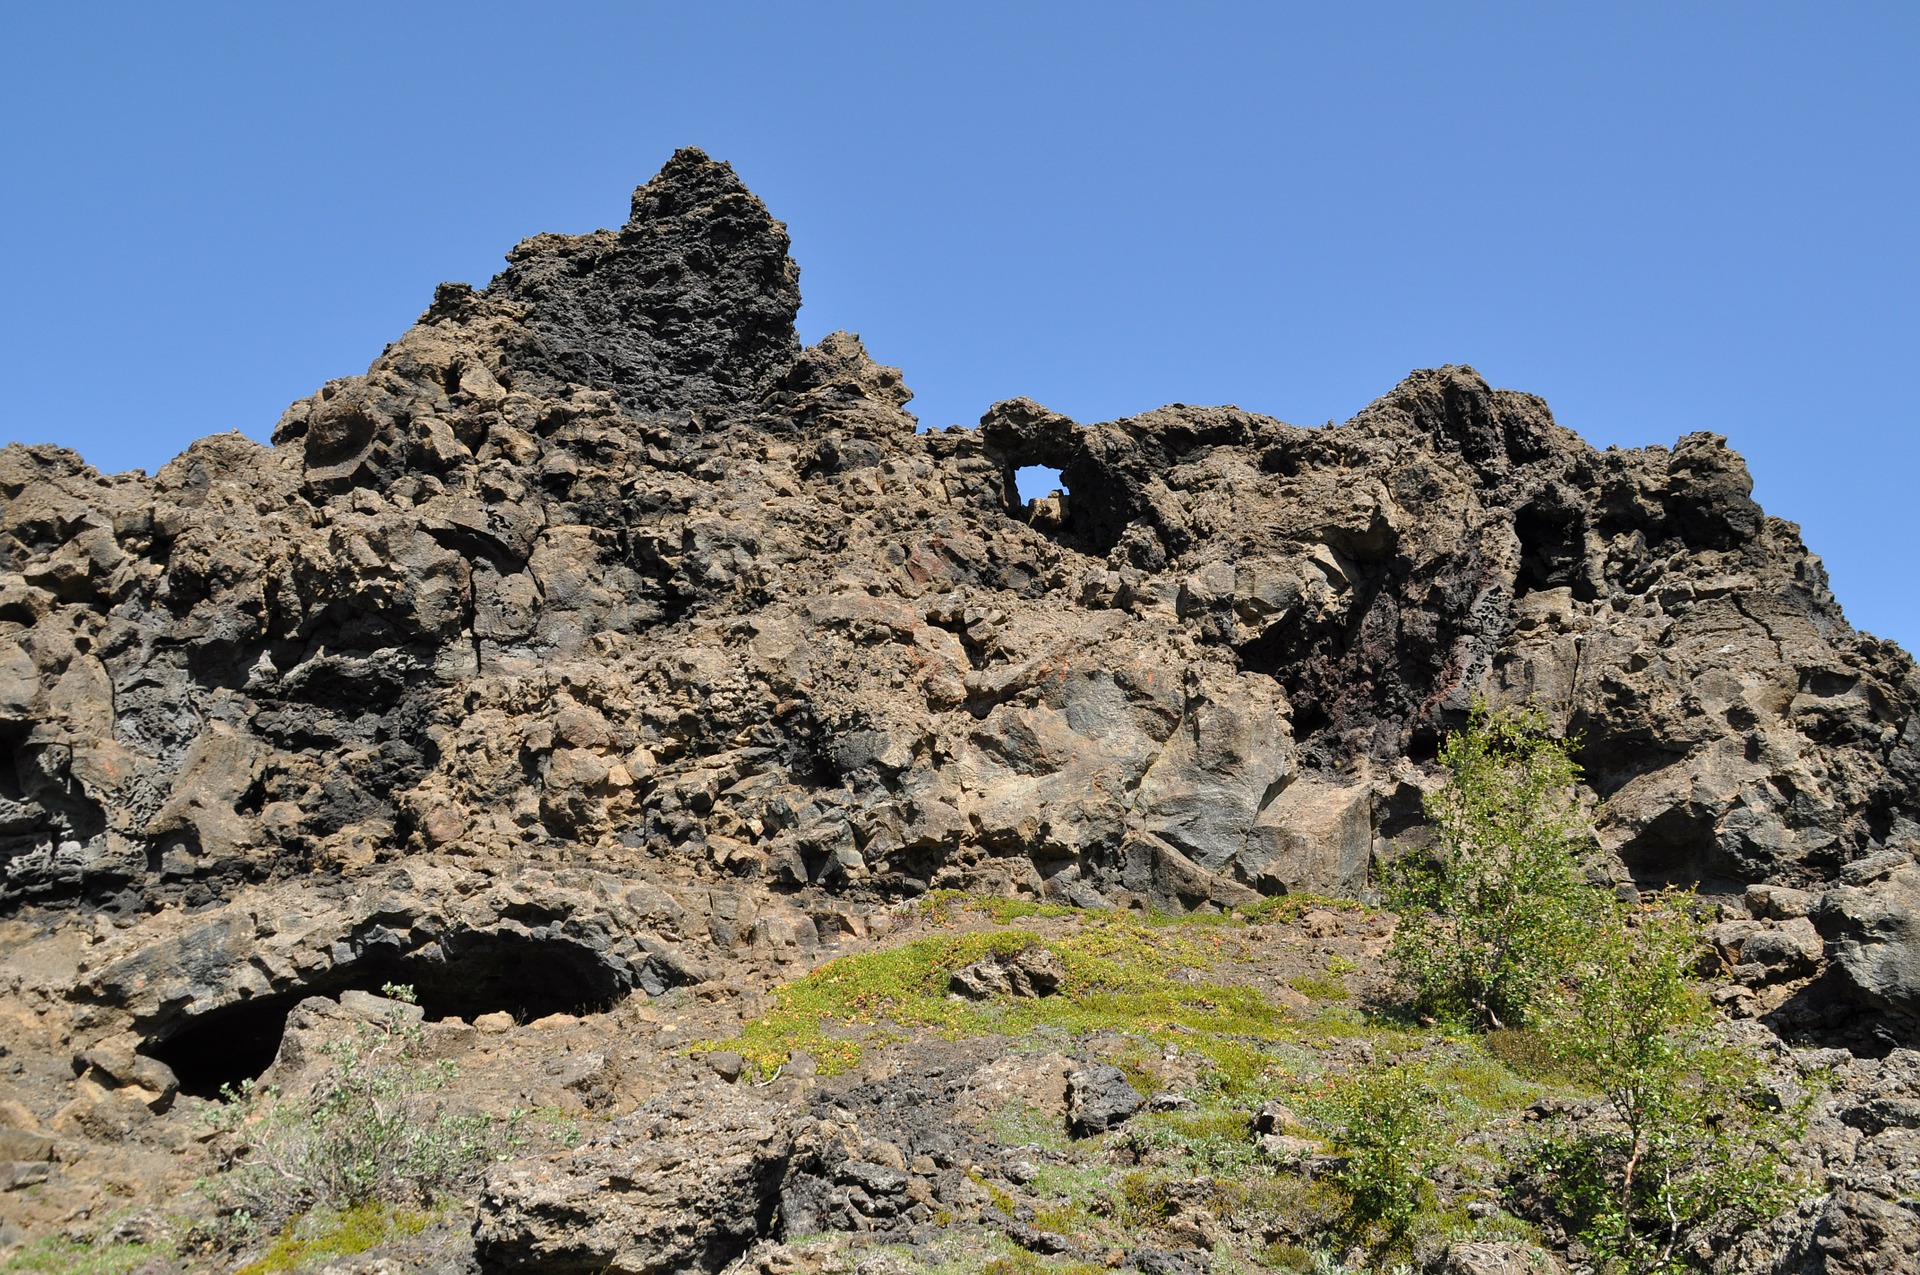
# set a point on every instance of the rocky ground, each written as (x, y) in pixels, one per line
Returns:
(998, 1105)
(604, 660)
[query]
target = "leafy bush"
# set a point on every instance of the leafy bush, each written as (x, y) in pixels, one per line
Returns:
(1490, 923)
(372, 1130)
(1390, 1122)
(1693, 1137)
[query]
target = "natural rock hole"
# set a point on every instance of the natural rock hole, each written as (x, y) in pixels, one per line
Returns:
(525, 976)
(1035, 482)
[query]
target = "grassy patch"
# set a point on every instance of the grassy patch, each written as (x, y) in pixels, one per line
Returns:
(58, 1255)
(1475, 1078)
(1321, 987)
(1021, 1262)
(943, 906)
(1529, 1054)
(1019, 1125)
(317, 1236)
(1282, 909)
(1121, 975)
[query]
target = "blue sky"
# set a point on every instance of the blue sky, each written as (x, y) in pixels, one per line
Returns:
(1659, 217)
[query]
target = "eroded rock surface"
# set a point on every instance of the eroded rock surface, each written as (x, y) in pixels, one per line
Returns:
(601, 641)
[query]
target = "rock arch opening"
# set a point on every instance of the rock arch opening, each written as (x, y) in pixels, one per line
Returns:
(1036, 482)
(527, 976)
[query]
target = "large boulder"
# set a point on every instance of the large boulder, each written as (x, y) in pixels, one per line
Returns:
(685, 1183)
(1874, 929)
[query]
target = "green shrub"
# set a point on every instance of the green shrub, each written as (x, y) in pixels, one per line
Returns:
(1390, 1122)
(1693, 1137)
(1491, 921)
(374, 1129)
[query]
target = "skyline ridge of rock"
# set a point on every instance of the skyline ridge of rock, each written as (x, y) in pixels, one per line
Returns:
(600, 640)
(621, 437)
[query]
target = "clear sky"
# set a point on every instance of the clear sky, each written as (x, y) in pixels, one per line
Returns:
(1661, 218)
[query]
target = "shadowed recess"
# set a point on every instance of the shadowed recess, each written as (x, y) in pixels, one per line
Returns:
(527, 977)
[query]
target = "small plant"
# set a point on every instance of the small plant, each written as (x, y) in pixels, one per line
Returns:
(1389, 1121)
(372, 1131)
(1692, 1136)
(62, 1255)
(1490, 923)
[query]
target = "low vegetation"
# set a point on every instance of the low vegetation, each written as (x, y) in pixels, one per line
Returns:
(323, 1234)
(1118, 971)
(62, 1255)
(359, 1154)
(1519, 980)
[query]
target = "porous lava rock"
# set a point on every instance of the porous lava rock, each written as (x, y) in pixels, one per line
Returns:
(596, 568)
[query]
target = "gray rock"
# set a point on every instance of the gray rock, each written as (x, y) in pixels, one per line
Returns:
(683, 1184)
(726, 1064)
(1099, 1099)
(1875, 932)
(1033, 972)
(380, 1009)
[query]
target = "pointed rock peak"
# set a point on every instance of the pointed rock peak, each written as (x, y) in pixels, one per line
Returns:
(689, 180)
(689, 306)
(1455, 405)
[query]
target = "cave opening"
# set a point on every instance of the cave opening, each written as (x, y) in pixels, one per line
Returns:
(228, 1046)
(1552, 551)
(463, 977)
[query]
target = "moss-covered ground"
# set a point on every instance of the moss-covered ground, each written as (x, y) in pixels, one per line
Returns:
(1218, 1013)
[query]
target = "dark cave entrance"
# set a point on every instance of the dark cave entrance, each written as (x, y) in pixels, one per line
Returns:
(228, 1046)
(1552, 551)
(526, 976)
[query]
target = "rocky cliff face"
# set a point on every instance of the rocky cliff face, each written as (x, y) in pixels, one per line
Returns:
(599, 561)
(600, 590)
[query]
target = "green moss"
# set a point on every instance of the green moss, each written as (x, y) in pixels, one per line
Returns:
(58, 1255)
(942, 907)
(318, 1236)
(1121, 975)
(1321, 987)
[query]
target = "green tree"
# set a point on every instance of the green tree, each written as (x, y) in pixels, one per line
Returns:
(1693, 1134)
(1490, 922)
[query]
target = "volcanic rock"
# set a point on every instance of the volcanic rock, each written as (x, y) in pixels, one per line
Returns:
(600, 642)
